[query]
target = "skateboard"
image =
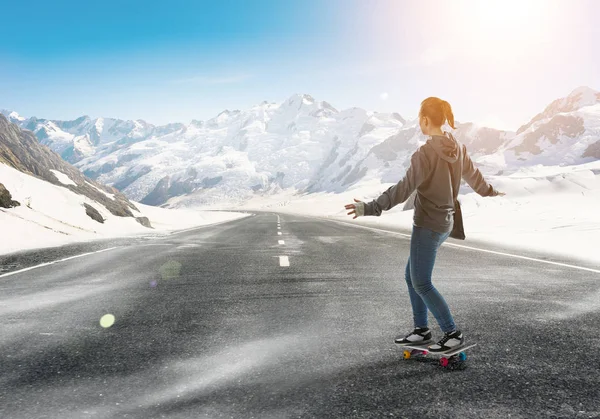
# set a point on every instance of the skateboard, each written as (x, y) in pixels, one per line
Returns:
(454, 356)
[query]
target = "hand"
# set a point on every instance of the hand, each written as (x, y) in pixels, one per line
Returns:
(352, 207)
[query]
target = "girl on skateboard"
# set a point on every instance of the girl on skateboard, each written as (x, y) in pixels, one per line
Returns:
(437, 189)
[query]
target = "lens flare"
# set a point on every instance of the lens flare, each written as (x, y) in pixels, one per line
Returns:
(107, 320)
(170, 270)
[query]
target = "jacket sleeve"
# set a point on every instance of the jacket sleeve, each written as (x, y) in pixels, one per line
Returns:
(394, 195)
(474, 177)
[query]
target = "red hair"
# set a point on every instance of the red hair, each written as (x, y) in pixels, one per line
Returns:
(438, 111)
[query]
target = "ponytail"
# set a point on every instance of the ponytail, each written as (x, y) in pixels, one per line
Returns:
(447, 109)
(438, 111)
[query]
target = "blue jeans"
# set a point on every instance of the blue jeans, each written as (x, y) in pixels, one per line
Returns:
(424, 244)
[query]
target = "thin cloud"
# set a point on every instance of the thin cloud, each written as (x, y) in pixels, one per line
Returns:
(212, 80)
(429, 57)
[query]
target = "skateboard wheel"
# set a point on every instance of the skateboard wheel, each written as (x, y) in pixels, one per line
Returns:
(444, 362)
(425, 352)
(462, 356)
(406, 354)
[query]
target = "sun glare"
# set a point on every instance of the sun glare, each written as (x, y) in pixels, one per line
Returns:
(477, 29)
(513, 20)
(505, 14)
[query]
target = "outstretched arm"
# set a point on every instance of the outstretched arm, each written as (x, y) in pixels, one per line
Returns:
(474, 177)
(396, 194)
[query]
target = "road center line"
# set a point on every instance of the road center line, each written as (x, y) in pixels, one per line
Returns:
(284, 261)
(281, 242)
(279, 233)
(56, 261)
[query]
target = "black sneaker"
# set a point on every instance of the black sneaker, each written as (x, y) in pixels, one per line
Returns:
(448, 342)
(419, 336)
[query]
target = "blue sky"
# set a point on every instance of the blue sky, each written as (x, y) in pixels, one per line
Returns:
(182, 60)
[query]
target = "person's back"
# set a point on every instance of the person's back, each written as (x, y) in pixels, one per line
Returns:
(435, 172)
(434, 202)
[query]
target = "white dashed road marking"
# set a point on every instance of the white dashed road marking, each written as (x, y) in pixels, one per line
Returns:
(279, 232)
(281, 242)
(284, 261)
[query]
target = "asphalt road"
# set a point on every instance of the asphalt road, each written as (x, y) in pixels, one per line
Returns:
(208, 324)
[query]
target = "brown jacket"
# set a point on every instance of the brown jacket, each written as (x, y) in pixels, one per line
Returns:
(429, 174)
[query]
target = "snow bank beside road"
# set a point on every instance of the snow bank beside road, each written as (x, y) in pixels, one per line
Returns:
(51, 215)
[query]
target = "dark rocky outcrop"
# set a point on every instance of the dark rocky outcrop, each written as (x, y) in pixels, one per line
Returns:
(106, 167)
(399, 118)
(593, 150)
(366, 128)
(160, 193)
(169, 187)
(209, 182)
(319, 178)
(6, 200)
(131, 176)
(144, 221)
(21, 150)
(181, 187)
(93, 213)
(72, 155)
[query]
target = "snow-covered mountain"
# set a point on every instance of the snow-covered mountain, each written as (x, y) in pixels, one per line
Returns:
(566, 133)
(301, 143)
(12, 116)
(21, 152)
(267, 147)
(579, 98)
(77, 139)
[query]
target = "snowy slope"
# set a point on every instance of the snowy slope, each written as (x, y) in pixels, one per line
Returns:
(57, 204)
(51, 215)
